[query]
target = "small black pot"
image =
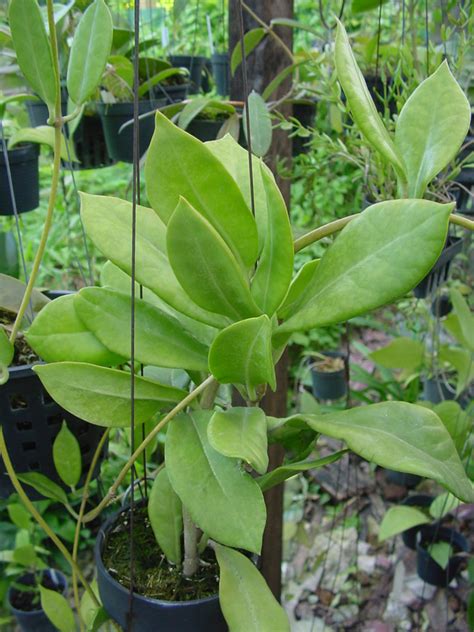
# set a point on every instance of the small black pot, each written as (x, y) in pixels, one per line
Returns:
(120, 143)
(418, 500)
(9, 258)
(440, 271)
(149, 615)
(38, 110)
(441, 306)
(330, 385)
(36, 620)
(205, 129)
(403, 478)
(304, 111)
(436, 391)
(90, 145)
(196, 65)
(23, 161)
(221, 72)
(429, 570)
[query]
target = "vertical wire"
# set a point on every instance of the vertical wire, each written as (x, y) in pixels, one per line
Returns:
(379, 29)
(444, 19)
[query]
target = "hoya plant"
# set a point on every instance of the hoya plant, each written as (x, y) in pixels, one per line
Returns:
(214, 253)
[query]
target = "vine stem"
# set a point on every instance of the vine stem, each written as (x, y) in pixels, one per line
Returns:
(144, 444)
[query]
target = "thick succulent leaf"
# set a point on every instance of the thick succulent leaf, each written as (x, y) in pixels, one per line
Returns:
(160, 339)
(400, 353)
(275, 266)
(57, 334)
(225, 502)
(465, 318)
(106, 216)
(379, 256)
(205, 266)
(242, 354)
(43, 485)
(43, 135)
(362, 107)
(241, 433)
(193, 172)
(298, 286)
(166, 516)
(247, 603)
(431, 128)
(89, 51)
(401, 437)
(33, 50)
(101, 396)
(58, 610)
(260, 123)
(67, 456)
(399, 519)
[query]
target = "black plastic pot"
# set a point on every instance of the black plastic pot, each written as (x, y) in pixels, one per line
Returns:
(120, 143)
(23, 161)
(38, 110)
(150, 615)
(441, 306)
(31, 421)
(429, 570)
(440, 271)
(403, 478)
(436, 391)
(90, 145)
(205, 129)
(9, 258)
(195, 64)
(417, 500)
(304, 111)
(330, 385)
(221, 72)
(35, 620)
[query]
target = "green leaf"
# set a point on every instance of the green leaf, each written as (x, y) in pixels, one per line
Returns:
(26, 555)
(284, 472)
(241, 433)
(7, 350)
(431, 128)
(101, 396)
(57, 609)
(359, 6)
(441, 552)
(275, 266)
(89, 51)
(33, 50)
(400, 353)
(223, 501)
(105, 216)
(58, 334)
(93, 616)
(379, 256)
(20, 517)
(43, 135)
(465, 318)
(443, 504)
(242, 354)
(44, 486)
(280, 78)
(251, 40)
(11, 295)
(166, 517)
(193, 108)
(299, 284)
(456, 421)
(160, 339)
(261, 130)
(401, 437)
(205, 266)
(246, 601)
(158, 78)
(67, 456)
(362, 107)
(461, 360)
(399, 519)
(191, 171)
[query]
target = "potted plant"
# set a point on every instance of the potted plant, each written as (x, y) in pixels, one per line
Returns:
(195, 66)
(329, 375)
(221, 72)
(441, 553)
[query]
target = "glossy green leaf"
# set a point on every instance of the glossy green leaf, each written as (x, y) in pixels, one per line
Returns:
(105, 216)
(456, 421)
(440, 552)
(20, 516)
(43, 135)
(89, 51)
(453, 326)
(93, 616)
(57, 609)
(160, 77)
(166, 517)
(67, 456)
(25, 555)
(11, 295)
(359, 6)
(57, 334)
(247, 603)
(284, 472)
(272, 278)
(205, 266)
(399, 519)
(260, 121)
(33, 50)
(400, 353)
(44, 486)
(225, 502)
(431, 128)
(398, 436)
(251, 40)
(241, 433)
(299, 284)
(362, 107)
(242, 354)
(379, 256)
(209, 188)
(6, 348)
(461, 360)
(465, 317)
(101, 396)
(160, 340)
(443, 505)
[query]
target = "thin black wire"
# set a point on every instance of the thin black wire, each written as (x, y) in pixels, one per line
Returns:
(323, 19)
(379, 30)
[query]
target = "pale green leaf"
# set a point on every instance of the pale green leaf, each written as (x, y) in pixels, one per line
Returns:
(465, 317)
(57, 609)
(166, 516)
(359, 6)
(6, 348)
(67, 456)
(399, 519)
(20, 516)
(284, 472)
(441, 552)
(443, 504)
(298, 286)
(400, 353)
(260, 122)
(44, 486)
(251, 40)
(456, 421)
(43, 135)
(461, 360)
(25, 555)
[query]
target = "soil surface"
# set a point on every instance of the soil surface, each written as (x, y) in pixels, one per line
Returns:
(24, 354)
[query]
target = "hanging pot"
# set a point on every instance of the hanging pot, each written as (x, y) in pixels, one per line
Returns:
(23, 161)
(304, 111)
(38, 110)
(195, 64)
(417, 500)
(9, 257)
(221, 72)
(149, 615)
(429, 570)
(35, 620)
(440, 271)
(89, 144)
(330, 385)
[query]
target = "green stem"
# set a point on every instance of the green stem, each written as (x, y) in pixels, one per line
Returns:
(460, 220)
(191, 541)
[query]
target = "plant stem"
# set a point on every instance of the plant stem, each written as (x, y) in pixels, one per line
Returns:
(191, 541)
(460, 220)
(39, 518)
(144, 444)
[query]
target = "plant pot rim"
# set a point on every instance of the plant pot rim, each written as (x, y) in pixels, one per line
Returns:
(443, 534)
(32, 613)
(103, 531)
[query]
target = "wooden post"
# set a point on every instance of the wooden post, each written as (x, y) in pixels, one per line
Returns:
(263, 64)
